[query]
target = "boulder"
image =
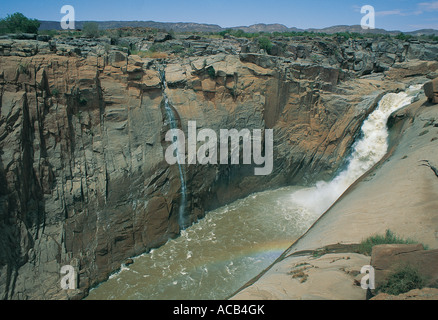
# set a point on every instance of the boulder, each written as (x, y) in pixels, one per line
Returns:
(162, 37)
(117, 59)
(431, 90)
(208, 85)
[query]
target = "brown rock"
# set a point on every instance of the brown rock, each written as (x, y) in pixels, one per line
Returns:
(209, 85)
(431, 90)
(117, 59)
(416, 294)
(411, 68)
(388, 257)
(128, 262)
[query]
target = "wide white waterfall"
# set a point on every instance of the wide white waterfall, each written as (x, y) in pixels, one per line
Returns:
(367, 151)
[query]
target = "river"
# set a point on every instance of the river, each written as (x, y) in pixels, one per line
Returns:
(231, 245)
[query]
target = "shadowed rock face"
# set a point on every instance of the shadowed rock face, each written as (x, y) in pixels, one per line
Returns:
(83, 179)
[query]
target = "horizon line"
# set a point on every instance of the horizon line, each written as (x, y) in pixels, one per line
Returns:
(243, 26)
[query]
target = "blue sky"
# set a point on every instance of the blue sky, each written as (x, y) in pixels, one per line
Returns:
(404, 15)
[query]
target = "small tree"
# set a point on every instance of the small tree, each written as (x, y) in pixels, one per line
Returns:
(17, 22)
(90, 29)
(3, 27)
(265, 44)
(402, 36)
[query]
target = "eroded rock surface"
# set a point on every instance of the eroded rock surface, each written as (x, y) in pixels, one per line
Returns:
(83, 179)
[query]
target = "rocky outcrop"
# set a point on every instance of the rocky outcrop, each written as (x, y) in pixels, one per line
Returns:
(360, 56)
(389, 258)
(311, 277)
(431, 90)
(83, 179)
(416, 294)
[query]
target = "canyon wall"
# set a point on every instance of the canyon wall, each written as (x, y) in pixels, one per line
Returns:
(83, 178)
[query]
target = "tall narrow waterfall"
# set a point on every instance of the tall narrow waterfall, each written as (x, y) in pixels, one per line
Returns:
(367, 151)
(171, 119)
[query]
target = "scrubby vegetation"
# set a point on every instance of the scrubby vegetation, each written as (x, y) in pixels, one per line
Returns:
(90, 30)
(265, 44)
(404, 279)
(340, 36)
(18, 23)
(366, 246)
(211, 72)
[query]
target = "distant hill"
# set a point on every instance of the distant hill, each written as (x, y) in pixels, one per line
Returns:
(202, 27)
(353, 29)
(176, 26)
(261, 27)
(424, 31)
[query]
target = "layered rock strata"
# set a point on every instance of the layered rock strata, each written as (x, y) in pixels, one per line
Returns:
(83, 179)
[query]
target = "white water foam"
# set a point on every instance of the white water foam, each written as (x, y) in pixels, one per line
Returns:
(370, 149)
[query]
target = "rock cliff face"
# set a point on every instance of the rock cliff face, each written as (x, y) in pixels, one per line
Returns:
(83, 179)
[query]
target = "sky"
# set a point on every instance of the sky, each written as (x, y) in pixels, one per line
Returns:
(403, 15)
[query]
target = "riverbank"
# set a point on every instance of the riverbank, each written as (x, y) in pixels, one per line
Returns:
(399, 194)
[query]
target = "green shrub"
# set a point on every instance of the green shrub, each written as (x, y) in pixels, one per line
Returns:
(17, 22)
(3, 27)
(55, 92)
(404, 279)
(432, 37)
(90, 29)
(83, 101)
(211, 72)
(402, 36)
(158, 47)
(319, 252)
(177, 49)
(265, 44)
(366, 246)
(239, 33)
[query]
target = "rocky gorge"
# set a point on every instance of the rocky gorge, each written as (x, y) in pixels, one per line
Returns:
(83, 180)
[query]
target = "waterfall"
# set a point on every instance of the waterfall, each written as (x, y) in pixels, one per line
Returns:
(234, 243)
(173, 125)
(367, 151)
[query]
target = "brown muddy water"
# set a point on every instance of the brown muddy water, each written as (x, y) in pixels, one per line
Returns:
(216, 256)
(231, 245)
